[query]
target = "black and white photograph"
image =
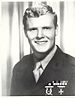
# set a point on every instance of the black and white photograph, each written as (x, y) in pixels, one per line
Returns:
(37, 42)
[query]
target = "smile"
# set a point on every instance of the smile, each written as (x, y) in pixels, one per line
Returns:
(41, 42)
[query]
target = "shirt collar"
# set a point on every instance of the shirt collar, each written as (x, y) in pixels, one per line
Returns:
(47, 59)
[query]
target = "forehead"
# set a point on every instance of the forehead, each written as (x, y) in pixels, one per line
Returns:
(44, 20)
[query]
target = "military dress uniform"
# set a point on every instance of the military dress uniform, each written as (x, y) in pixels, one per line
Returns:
(60, 68)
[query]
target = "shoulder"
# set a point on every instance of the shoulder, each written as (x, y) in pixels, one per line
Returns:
(67, 59)
(66, 64)
(23, 63)
(70, 58)
(69, 63)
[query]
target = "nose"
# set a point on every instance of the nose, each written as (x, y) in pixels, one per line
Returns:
(40, 33)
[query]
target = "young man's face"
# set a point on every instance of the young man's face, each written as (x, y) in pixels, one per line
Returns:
(41, 33)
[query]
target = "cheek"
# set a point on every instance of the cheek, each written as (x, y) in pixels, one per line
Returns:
(50, 34)
(31, 35)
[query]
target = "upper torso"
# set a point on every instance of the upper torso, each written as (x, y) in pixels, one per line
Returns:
(58, 69)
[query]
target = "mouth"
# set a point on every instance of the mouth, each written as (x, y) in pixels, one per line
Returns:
(41, 42)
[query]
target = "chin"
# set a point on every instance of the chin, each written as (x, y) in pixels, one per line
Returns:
(41, 51)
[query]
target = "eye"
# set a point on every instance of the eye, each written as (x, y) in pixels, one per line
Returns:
(47, 28)
(32, 29)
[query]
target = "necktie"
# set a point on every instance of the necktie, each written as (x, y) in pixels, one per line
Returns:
(37, 72)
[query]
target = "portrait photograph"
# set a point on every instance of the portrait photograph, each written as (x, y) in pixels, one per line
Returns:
(37, 48)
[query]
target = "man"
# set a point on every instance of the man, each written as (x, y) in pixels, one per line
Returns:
(47, 71)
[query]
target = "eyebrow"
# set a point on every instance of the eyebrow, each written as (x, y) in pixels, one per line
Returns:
(47, 27)
(35, 28)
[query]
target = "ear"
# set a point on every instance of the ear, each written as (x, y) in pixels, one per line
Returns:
(56, 31)
(25, 33)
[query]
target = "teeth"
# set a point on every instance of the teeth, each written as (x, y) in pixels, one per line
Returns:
(40, 42)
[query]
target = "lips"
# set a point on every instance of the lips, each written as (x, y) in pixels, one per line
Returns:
(41, 42)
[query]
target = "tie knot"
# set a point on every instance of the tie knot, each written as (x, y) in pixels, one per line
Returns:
(39, 66)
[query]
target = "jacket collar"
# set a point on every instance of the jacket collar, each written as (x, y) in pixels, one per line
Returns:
(57, 60)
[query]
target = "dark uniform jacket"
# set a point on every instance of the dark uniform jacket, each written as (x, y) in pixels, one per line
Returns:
(60, 68)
